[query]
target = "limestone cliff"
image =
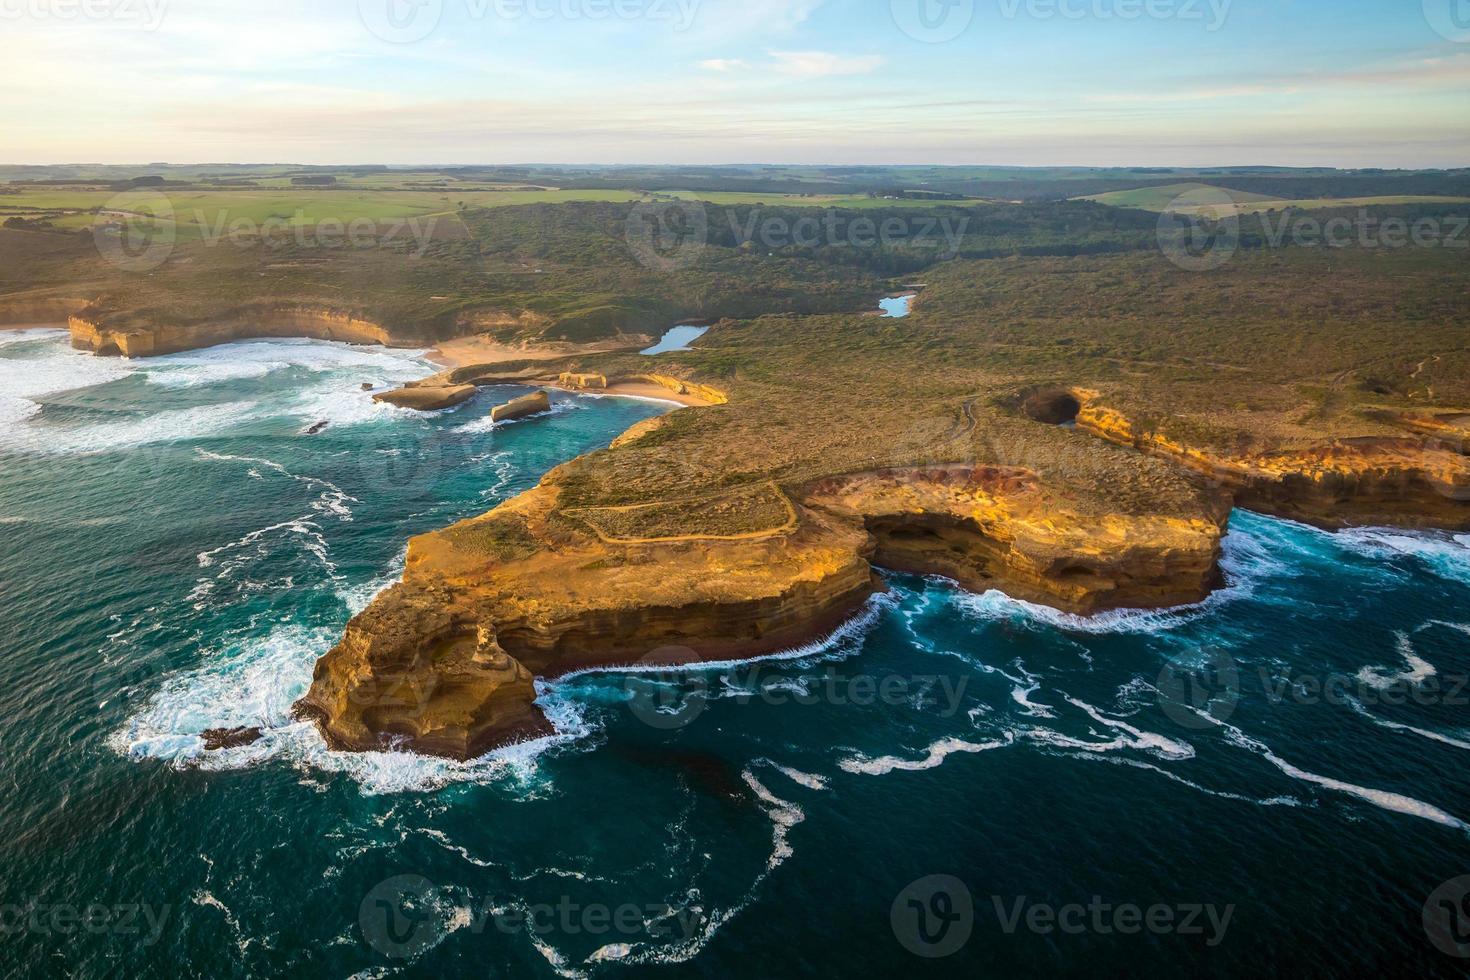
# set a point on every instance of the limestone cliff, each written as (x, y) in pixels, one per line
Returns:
(533, 588)
(1353, 481)
(993, 527)
(91, 330)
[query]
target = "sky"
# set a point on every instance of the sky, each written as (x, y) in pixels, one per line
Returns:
(1352, 83)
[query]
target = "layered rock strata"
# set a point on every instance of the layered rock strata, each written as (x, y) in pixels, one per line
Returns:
(443, 663)
(1405, 482)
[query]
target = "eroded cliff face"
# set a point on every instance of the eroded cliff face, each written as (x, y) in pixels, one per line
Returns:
(1406, 482)
(534, 590)
(1000, 528)
(91, 331)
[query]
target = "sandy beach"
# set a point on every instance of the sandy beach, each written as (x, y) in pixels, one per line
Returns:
(466, 351)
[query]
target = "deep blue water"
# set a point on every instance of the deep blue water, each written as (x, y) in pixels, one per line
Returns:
(176, 553)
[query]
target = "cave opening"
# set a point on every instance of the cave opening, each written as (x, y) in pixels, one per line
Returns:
(1052, 407)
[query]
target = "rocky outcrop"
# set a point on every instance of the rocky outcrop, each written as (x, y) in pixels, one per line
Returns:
(91, 330)
(708, 394)
(999, 528)
(416, 671)
(442, 664)
(219, 739)
(1355, 481)
(582, 381)
(519, 408)
(427, 398)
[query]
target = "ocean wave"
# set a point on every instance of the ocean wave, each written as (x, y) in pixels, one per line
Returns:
(1447, 556)
(1246, 561)
(253, 684)
(252, 359)
(9, 338)
(333, 500)
(59, 369)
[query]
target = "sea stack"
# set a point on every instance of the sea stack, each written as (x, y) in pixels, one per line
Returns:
(519, 408)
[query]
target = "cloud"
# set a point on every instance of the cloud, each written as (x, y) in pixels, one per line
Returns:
(1434, 73)
(723, 64)
(821, 64)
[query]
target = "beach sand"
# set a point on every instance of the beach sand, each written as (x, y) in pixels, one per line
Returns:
(467, 351)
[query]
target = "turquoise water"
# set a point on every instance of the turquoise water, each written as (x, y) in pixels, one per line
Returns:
(676, 339)
(177, 552)
(896, 306)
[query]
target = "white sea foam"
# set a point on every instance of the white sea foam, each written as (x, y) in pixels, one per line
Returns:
(333, 499)
(784, 816)
(1446, 555)
(933, 758)
(1223, 794)
(1419, 670)
(60, 369)
(810, 781)
(9, 338)
(1392, 802)
(1458, 743)
(257, 358)
(1245, 561)
(1129, 737)
(852, 630)
(254, 682)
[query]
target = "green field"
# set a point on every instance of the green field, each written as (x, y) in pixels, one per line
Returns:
(1161, 199)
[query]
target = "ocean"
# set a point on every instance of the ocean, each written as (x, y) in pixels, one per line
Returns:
(953, 784)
